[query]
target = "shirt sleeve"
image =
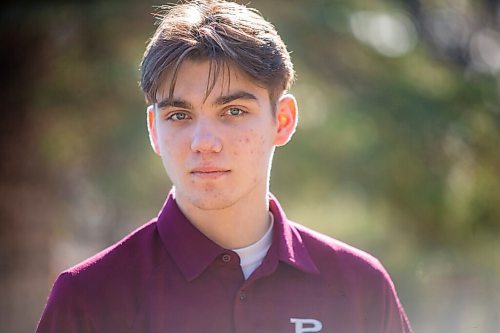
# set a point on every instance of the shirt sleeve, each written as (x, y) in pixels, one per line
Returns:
(396, 320)
(382, 310)
(65, 309)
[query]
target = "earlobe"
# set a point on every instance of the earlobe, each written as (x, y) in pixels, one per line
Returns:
(153, 137)
(286, 119)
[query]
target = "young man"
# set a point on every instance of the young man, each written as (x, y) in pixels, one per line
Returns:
(222, 256)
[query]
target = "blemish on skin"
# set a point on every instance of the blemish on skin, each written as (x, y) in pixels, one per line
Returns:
(247, 140)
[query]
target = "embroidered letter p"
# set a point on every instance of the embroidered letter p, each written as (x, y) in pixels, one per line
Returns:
(306, 325)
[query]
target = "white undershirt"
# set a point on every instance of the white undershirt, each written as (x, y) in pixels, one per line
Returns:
(252, 256)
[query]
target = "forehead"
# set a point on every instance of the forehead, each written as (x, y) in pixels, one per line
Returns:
(207, 79)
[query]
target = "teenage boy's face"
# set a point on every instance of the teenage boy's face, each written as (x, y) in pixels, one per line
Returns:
(217, 150)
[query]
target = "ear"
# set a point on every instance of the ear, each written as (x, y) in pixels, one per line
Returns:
(286, 119)
(153, 137)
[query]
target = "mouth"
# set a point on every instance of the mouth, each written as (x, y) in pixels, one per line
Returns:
(209, 172)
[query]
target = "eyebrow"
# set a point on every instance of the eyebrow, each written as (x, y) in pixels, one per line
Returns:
(221, 100)
(176, 103)
(225, 99)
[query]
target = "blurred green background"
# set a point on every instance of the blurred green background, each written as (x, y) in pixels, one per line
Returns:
(397, 151)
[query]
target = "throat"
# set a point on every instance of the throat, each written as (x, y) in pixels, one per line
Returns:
(252, 256)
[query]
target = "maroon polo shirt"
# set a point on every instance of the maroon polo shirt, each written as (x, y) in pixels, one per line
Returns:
(168, 277)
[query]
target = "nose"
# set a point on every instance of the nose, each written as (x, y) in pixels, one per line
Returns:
(205, 138)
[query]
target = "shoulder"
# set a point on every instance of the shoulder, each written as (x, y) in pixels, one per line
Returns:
(339, 258)
(98, 291)
(360, 277)
(134, 252)
(116, 275)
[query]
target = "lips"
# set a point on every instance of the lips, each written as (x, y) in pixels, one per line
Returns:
(209, 172)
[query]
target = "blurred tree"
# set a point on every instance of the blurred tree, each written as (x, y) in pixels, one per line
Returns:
(25, 183)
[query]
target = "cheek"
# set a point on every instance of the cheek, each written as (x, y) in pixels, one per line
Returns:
(172, 145)
(253, 144)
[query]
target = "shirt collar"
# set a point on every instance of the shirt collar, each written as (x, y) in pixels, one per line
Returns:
(288, 241)
(193, 252)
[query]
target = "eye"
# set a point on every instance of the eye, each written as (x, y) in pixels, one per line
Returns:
(178, 116)
(234, 111)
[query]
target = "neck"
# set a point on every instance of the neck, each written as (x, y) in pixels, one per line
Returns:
(236, 226)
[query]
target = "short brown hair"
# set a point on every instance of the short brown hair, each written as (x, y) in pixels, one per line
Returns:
(225, 33)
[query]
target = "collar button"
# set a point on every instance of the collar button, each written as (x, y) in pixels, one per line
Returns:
(226, 258)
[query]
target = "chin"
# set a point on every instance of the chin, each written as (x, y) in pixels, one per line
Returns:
(212, 202)
(208, 198)
(212, 198)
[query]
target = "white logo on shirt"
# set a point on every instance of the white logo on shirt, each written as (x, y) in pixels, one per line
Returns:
(303, 325)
